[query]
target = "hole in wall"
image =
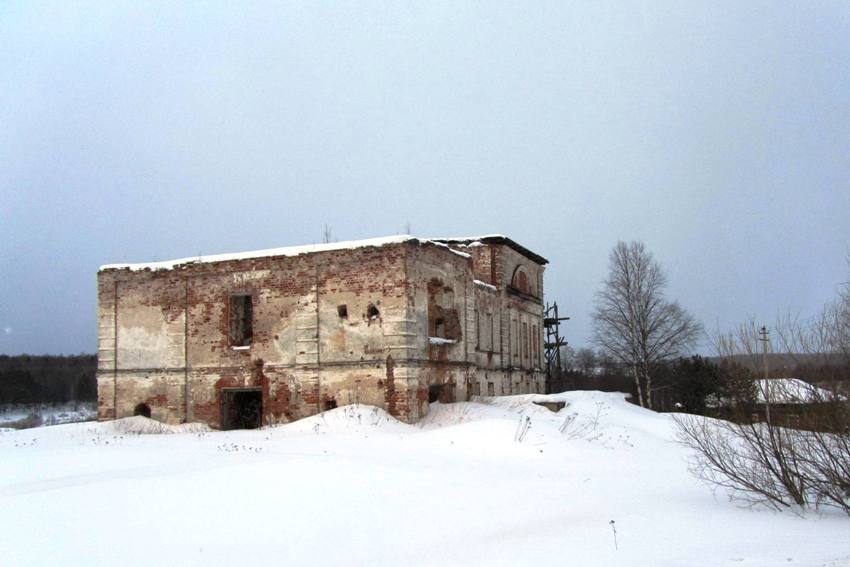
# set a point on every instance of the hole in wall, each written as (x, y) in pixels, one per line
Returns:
(142, 409)
(439, 327)
(342, 311)
(435, 392)
(372, 312)
(242, 408)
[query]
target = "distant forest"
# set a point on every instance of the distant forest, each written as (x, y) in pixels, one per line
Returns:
(685, 383)
(28, 379)
(815, 368)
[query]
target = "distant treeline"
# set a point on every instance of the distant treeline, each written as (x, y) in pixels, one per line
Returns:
(28, 379)
(685, 384)
(811, 367)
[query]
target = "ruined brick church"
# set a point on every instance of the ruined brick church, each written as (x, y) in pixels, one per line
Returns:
(243, 340)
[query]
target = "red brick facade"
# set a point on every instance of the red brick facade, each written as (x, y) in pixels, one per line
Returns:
(328, 327)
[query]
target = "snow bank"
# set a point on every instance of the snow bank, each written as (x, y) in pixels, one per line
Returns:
(141, 425)
(355, 418)
(494, 481)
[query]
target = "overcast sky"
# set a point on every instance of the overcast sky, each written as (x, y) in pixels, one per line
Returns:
(716, 132)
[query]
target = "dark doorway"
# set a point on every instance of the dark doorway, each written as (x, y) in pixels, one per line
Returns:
(242, 409)
(435, 393)
(143, 410)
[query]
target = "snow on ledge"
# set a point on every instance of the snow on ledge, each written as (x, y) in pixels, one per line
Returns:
(285, 251)
(449, 248)
(470, 239)
(485, 285)
(441, 341)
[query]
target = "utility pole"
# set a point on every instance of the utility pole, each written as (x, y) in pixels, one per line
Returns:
(765, 340)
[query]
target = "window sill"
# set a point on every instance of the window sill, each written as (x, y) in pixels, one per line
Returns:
(246, 347)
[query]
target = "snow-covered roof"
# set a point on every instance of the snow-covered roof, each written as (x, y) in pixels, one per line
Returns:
(789, 391)
(479, 238)
(285, 251)
(472, 241)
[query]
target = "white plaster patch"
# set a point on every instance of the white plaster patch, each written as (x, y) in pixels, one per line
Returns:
(143, 349)
(246, 277)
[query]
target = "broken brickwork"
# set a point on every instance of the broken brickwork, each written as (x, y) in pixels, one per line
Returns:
(274, 336)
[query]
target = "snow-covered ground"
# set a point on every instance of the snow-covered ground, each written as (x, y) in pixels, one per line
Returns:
(500, 481)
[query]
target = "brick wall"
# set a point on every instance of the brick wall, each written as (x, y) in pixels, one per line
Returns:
(329, 328)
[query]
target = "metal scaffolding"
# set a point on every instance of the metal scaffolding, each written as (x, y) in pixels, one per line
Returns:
(553, 341)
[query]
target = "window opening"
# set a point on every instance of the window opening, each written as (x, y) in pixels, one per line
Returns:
(525, 340)
(443, 318)
(522, 282)
(372, 312)
(241, 320)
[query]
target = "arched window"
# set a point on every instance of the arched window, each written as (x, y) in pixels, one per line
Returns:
(522, 282)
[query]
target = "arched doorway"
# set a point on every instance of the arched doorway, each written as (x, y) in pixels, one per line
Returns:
(143, 410)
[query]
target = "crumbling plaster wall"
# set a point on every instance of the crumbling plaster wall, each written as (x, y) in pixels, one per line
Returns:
(475, 365)
(508, 368)
(303, 356)
(434, 270)
(329, 328)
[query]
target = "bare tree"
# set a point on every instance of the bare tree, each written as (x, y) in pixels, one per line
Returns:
(633, 322)
(568, 357)
(825, 337)
(834, 323)
(586, 361)
(741, 343)
(741, 358)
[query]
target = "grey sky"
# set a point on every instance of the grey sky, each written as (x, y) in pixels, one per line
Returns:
(716, 132)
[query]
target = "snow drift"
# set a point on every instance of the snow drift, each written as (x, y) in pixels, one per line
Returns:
(495, 481)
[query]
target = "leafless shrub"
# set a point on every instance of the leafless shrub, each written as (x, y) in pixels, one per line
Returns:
(757, 456)
(575, 428)
(755, 462)
(825, 451)
(522, 429)
(766, 463)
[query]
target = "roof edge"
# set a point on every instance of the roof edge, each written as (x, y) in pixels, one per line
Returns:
(285, 251)
(496, 239)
